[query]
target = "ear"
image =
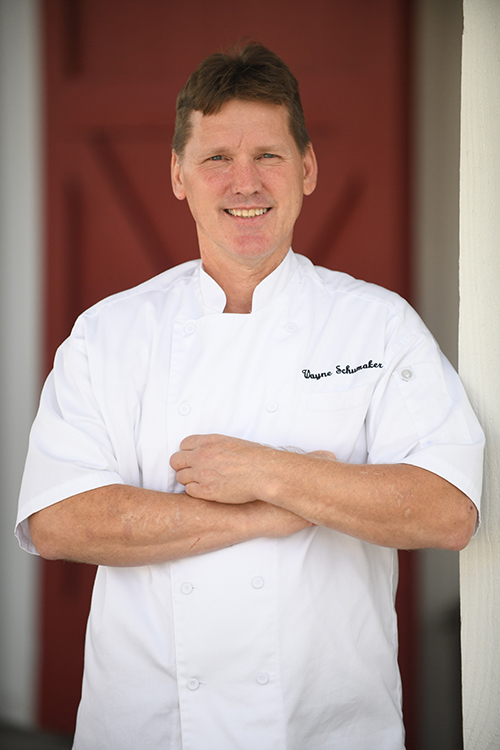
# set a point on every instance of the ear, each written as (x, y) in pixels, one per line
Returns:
(176, 175)
(310, 170)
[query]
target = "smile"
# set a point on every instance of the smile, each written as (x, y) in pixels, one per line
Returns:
(247, 213)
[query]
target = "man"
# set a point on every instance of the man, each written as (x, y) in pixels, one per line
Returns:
(241, 444)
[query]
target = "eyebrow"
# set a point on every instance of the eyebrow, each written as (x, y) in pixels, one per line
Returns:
(264, 149)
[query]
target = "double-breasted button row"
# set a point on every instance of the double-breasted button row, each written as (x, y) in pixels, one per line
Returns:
(261, 678)
(187, 587)
(185, 408)
(190, 327)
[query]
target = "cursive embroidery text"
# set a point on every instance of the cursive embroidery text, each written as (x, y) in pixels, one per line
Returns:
(315, 375)
(348, 370)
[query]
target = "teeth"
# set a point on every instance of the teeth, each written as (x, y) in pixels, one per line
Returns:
(247, 212)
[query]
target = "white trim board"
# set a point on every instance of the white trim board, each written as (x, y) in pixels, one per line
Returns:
(479, 359)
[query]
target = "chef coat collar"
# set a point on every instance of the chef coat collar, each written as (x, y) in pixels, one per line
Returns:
(269, 288)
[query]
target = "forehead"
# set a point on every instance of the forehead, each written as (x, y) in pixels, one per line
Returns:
(240, 121)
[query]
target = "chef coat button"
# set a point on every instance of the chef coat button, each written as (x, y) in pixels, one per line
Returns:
(262, 678)
(193, 683)
(257, 582)
(406, 374)
(290, 327)
(272, 406)
(189, 328)
(184, 409)
(186, 587)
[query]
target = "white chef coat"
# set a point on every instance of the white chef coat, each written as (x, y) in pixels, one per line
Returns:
(272, 643)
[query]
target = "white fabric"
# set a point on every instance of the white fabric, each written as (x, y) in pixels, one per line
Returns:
(269, 644)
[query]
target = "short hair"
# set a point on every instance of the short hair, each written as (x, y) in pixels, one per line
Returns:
(250, 73)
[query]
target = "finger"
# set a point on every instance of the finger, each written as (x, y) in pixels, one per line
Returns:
(191, 442)
(185, 476)
(193, 489)
(180, 460)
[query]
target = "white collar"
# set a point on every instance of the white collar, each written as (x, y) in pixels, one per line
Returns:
(264, 293)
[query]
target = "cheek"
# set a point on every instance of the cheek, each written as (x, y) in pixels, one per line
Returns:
(214, 182)
(287, 188)
(208, 191)
(293, 200)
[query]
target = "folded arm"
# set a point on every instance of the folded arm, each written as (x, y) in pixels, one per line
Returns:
(120, 525)
(394, 505)
(238, 490)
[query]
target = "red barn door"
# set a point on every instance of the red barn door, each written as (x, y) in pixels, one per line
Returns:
(113, 70)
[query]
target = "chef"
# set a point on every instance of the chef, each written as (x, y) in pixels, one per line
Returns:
(241, 444)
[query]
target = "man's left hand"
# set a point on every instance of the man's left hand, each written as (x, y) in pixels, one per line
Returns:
(221, 468)
(384, 504)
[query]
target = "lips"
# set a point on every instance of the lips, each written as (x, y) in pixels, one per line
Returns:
(246, 213)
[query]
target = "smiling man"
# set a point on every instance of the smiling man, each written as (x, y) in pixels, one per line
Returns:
(244, 178)
(241, 444)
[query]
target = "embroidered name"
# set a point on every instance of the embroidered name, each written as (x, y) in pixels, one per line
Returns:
(348, 370)
(316, 375)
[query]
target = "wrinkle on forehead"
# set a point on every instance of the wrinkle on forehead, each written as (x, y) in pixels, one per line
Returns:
(238, 131)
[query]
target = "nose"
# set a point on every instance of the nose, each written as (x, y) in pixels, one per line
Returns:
(246, 178)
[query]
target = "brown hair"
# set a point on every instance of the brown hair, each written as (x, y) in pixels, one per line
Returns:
(251, 73)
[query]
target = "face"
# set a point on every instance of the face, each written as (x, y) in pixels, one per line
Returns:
(244, 179)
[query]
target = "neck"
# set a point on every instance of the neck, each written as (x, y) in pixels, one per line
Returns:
(238, 281)
(238, 288)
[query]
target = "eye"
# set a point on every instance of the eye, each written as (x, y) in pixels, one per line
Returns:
(217, 157)
(268, 156)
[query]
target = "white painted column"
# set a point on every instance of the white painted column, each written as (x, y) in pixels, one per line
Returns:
(20, 241)
(479, 358)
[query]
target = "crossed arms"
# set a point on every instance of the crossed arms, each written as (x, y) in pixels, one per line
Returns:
(238, 490)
